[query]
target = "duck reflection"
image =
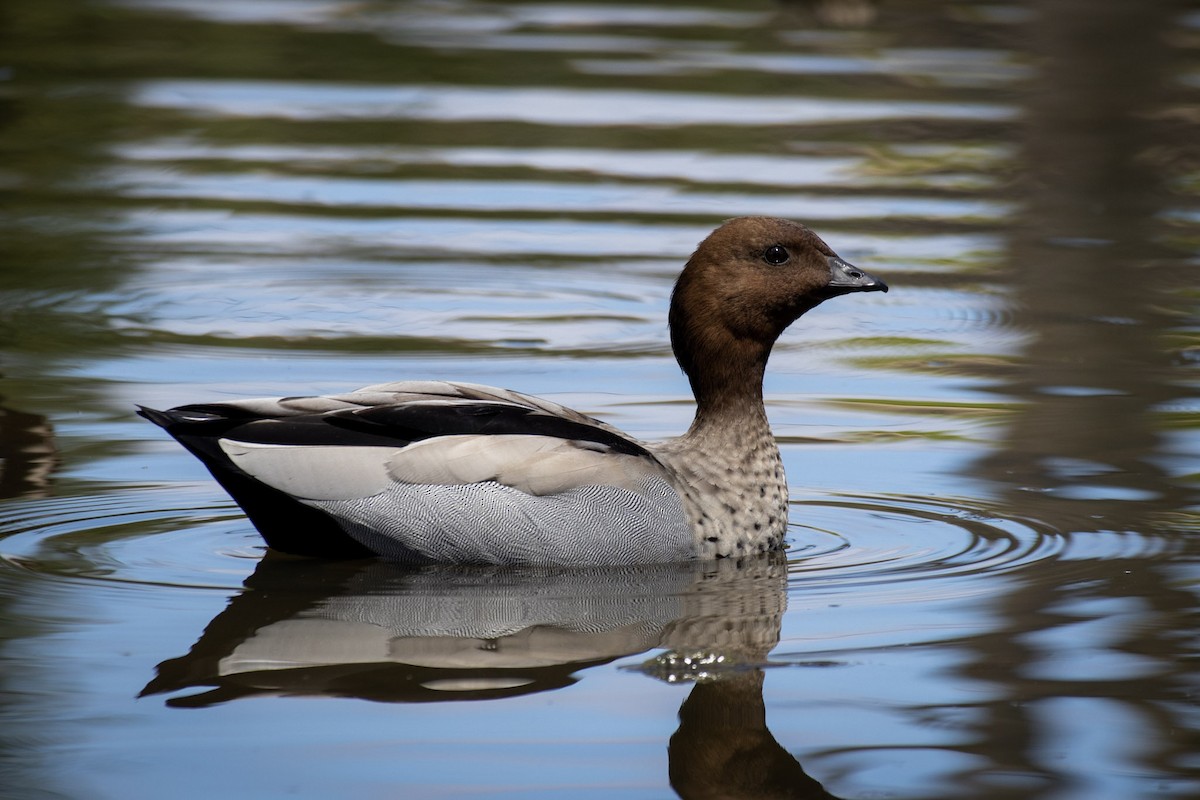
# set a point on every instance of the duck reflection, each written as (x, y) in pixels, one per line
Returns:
(382, 632)
(28, 456)
(723, 748)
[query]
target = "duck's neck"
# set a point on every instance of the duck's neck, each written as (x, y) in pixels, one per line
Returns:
(727, 383)
(728, 464)
(724, 355)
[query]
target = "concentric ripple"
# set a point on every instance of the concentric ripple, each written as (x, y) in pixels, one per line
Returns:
(908, 538)
(852, 541)
(145, 536)
(190, 536)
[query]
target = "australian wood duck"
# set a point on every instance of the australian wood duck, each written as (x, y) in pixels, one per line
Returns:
(441, 472)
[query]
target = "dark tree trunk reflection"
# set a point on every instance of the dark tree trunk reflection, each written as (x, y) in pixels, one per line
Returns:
(1094, 282)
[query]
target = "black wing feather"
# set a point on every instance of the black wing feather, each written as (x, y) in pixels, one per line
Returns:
(284, 523)
(415, 421)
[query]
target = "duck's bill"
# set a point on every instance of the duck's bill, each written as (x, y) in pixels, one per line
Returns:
(846, 278)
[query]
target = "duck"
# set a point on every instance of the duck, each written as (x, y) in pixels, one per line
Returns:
(440, 472)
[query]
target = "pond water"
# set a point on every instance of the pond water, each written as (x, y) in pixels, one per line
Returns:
(992, 585)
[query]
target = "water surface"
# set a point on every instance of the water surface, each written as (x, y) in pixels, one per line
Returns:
(991, 584)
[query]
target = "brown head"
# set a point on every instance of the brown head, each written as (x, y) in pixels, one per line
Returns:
(745, 284)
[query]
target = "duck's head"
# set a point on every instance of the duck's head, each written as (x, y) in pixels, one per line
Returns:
(746, 283)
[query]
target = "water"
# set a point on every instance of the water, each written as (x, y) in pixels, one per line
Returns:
(991, 587)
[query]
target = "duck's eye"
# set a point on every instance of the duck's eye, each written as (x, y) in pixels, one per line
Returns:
(775, 255)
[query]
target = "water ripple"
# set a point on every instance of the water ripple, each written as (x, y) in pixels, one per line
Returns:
(535, 105)
(133, 536)
(533, 196)
(188, 536)
(854, 541)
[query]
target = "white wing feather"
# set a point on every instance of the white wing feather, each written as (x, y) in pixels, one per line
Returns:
(536, 465)
(314, 472)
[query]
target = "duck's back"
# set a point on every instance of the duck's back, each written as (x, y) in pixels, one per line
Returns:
(427, 472)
